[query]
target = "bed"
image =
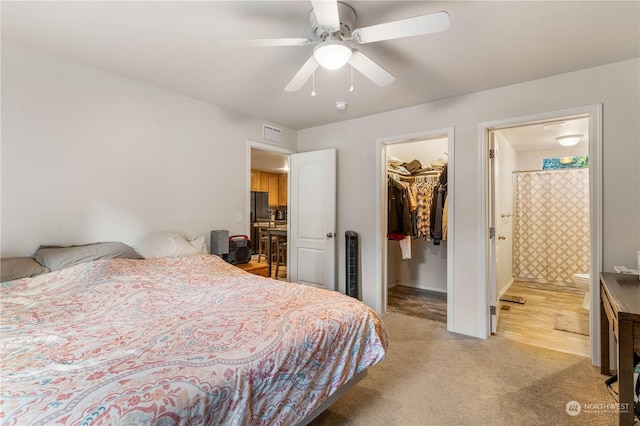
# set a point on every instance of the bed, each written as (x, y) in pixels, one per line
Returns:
(186, 340)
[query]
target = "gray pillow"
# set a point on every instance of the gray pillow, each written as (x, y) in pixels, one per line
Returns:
(56, 257)
(12, 268)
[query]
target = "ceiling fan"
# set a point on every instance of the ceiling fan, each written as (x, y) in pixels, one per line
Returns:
(332, 24)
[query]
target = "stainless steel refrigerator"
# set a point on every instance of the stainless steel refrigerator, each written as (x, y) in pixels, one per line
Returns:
(259, 212)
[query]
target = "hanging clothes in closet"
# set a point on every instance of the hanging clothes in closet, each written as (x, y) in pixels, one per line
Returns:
(424, 189)
(399, 210)
(400, 216)
(413, 196)
(438, 203)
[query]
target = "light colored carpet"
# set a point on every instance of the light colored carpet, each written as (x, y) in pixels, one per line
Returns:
(573, 322)
(432, 377)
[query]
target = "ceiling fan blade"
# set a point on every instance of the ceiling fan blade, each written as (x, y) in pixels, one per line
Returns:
(267, 42)
(370, 69)
(418, 25)
(302, 75)
(327, 13)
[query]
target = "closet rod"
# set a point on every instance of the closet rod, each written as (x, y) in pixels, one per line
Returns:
(433, 177)
(427, 173)
(423, 174)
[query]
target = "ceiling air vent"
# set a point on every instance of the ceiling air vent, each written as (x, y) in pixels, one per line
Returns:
(271, 133)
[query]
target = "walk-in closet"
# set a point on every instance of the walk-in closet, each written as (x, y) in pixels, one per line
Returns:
(418, 227)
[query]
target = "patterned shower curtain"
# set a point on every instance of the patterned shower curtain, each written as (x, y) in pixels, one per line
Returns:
(551, 224)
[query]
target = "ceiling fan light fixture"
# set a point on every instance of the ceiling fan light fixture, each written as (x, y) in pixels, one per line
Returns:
(569, 140)
(332, 54)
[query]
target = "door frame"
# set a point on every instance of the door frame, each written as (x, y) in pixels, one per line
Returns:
(251, 144)
(381, 213)
(594, 112)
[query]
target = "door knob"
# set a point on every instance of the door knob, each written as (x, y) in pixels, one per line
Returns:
(330, 235)
(500, 237)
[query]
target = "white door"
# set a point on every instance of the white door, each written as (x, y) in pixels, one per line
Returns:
(499, 214)
(312, 218)
(491, 214)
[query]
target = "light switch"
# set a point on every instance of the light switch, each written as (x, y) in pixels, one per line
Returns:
(238, 217)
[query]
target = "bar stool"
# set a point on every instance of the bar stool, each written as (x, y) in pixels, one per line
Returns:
(281, 253)
(263, 238)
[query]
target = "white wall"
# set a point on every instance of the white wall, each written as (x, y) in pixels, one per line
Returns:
(616, 86)
(427, 268)
(88, 156)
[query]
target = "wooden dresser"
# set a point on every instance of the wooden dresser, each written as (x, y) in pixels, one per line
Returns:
(620, 313)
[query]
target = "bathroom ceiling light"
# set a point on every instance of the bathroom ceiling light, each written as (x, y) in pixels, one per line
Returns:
(332, 54)
(569, 140)
(341, 105)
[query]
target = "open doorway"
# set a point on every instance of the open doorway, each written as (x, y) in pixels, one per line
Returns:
(268, 209)
(417, 260)
(543, 239)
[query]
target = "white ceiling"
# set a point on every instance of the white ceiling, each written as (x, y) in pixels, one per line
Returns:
(268, 161)
(175, 45)
(542, 136)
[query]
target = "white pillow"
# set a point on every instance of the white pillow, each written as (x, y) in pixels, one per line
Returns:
(200, 243)
(170, 244)
(184, 247)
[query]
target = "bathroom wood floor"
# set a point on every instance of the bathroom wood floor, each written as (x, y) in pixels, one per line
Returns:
(533, 322)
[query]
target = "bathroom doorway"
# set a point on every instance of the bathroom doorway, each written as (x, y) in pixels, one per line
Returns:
(539, 278)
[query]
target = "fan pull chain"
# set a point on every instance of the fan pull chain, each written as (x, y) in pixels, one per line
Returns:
(313, 90)
(351, 89)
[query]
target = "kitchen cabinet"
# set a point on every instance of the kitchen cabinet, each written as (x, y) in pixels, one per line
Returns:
(259, 181)
(273, 183)
(255, 180)
(273, 190)
(282, 189)
(263, 182)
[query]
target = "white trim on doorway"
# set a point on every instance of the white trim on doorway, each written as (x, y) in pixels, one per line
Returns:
(265, 147)
(594, 112)
(381, 214)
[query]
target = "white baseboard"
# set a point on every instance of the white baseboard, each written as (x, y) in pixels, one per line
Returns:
(506, 287)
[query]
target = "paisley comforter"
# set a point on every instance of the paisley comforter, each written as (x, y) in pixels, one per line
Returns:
(189, 340)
